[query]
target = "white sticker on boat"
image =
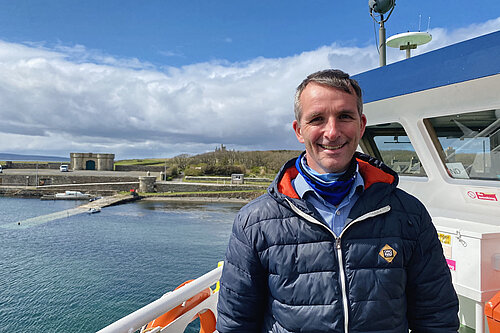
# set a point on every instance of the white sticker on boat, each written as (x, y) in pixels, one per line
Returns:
(482, 196)
(457, 170)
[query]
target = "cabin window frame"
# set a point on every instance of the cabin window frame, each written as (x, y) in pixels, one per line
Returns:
(395, 131)
(460, 169)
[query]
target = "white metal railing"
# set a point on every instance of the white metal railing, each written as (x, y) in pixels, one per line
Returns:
(141, 317)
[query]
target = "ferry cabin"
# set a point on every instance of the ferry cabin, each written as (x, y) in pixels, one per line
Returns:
(435, 119)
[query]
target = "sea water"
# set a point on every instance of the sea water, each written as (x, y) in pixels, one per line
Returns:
(80, 273)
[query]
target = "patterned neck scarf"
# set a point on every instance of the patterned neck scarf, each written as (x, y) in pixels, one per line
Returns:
(333, 187)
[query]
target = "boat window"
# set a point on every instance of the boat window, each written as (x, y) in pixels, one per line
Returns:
(390, 144)
(469, 143)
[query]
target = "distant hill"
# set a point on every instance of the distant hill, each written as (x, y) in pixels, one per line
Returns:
(39, 158)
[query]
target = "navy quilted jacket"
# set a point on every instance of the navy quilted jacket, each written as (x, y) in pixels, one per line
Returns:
(285, 271)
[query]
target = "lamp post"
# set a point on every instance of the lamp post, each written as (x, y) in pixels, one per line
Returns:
(381, 7)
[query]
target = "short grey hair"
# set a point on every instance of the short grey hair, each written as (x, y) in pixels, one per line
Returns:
(334, 78)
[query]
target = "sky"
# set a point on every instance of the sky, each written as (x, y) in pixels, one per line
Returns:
(159, 78)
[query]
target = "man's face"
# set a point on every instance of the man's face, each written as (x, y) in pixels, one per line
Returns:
(330, 127)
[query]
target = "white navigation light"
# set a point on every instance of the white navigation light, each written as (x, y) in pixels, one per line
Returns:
(381, 6)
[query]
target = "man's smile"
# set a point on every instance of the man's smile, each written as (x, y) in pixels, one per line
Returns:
(332, 147)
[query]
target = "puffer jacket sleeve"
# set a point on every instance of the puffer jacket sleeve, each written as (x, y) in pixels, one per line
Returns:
(243, 291)
(432, 301)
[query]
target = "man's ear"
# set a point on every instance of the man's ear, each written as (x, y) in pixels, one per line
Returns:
(363, 124)
(298, 131)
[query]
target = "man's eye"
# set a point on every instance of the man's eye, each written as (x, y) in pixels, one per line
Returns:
(316, 120)
(345, 116)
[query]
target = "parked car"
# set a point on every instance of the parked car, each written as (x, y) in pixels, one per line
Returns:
(0, 168)
(63, 168)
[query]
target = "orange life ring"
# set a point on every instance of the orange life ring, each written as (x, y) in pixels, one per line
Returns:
(207, 318)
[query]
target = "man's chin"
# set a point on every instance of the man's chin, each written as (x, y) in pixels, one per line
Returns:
(333, 166)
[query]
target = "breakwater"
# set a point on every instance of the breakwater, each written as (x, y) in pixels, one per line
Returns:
(30, 184)
(33, 165)
(30, 179)
(102, 189)
(84, 208)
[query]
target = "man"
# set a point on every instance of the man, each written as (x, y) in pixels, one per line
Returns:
(334, 245)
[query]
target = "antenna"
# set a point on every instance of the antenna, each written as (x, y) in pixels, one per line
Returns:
(429, 24)
(419, 21)
(381, 7)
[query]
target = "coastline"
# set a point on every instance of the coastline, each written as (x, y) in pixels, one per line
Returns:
(111, 183)
(197, 199)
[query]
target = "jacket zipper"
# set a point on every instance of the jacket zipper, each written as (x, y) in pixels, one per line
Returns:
(343, 284)
(338, 246)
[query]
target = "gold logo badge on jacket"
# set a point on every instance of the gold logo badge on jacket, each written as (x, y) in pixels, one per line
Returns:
(388, 253)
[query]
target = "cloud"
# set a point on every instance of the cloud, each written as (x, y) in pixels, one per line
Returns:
(70, 99)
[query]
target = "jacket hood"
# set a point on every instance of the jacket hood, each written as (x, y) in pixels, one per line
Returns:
(372, 170)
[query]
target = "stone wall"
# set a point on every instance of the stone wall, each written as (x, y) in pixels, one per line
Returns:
(23, 165)
(208, 178)
(190, 187)
(98, 190)
(224, 179)
(64, 178)
(111, 189)
(232, 195)
(150, 168)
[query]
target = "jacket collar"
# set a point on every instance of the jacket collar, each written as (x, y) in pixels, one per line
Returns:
(372, 170)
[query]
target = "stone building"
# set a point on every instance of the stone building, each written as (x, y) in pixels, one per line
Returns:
(237, 178)
(91, 161)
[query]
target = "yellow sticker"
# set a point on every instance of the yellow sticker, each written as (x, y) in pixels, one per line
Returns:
(444, 238)
(388, 253)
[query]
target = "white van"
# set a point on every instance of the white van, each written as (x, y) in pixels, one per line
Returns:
(63, 168)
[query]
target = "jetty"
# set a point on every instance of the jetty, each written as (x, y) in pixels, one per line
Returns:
(113, 200)
(84, 208)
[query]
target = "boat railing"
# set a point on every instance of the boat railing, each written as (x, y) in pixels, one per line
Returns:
(138, 319)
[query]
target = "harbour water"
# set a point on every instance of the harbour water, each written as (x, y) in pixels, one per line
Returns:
(81, 272)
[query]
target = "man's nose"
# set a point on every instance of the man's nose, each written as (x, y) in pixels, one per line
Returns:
(331, 130)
